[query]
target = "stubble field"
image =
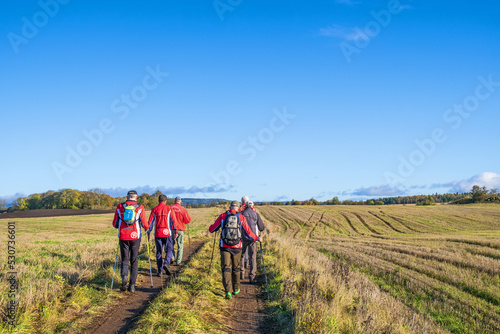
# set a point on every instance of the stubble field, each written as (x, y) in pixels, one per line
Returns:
(442, 263)
(330, 269)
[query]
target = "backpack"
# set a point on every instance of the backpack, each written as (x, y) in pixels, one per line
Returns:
(129, 216)
(231, 229)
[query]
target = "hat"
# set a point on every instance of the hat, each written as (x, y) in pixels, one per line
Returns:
(178, 199)
(249, 203)
(132, 192)
(235, 204)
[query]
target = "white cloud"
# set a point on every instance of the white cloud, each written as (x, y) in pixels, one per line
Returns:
(345, 33)
(489, 180)
(171, 191)
(348, 2)
(383, 190)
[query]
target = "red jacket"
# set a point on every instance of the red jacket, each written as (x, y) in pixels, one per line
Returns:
(182, 216)
(218, 224)
(162, 219)
(130, 232)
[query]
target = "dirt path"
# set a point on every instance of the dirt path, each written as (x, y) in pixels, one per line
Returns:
(122, 315)
(248, 307)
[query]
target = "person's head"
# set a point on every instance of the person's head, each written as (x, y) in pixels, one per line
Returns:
(235, 205)
(132, 195)
(178, 199)
(250, 204)
(162, 199)
(244, 199)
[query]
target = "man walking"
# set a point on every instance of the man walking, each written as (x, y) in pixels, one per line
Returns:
(162, 219)
(129, 217)
(249, 245)
(182, 219)
(233, 226)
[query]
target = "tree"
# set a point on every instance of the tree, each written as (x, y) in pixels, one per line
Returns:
(478, 193)
(3, 204)
(21, 203)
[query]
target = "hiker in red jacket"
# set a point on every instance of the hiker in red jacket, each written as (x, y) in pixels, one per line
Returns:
(162, 219)
(233, 226)
(182, 219)
(129, 217)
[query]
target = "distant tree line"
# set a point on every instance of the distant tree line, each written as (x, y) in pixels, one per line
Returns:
(477, 195)
(75, 199)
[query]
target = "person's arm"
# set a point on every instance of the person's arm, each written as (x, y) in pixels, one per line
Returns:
(151, 221)
(187, 217)
(247, 228)
(260, 223)
(173, 222)
(216, 225)
(142, 217)
(116, 219)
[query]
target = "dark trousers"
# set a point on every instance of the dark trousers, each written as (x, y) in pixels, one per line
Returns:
(129, 250)
(230, 265)
(250, 247)
(167, 244)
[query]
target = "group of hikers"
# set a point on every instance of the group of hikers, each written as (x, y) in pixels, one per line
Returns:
(240, 228)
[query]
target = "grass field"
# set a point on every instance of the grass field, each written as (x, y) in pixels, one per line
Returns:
(332, 269)
(441, 262)
(65, 265)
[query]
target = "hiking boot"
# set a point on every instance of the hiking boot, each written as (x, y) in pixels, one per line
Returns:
(228, 295)
(167, 271)
(236, 292)
(251, 281)
(124, 285)
(131, 288)
(158, 274)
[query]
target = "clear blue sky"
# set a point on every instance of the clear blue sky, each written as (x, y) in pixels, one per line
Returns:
(355, 84)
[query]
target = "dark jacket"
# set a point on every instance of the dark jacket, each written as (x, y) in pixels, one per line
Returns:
(254, 221)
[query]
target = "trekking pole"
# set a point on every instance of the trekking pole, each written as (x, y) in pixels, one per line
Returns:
(116, 260)
(213, 249)
(149, 259)
(189, 239)
(263, 264)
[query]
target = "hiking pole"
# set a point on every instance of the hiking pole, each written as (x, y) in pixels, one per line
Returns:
(189, 240)
(213, 249)
(116, 260)
(263, 264)
(149, 259)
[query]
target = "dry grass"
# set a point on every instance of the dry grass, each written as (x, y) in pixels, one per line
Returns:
(65, 265)
(442, 262)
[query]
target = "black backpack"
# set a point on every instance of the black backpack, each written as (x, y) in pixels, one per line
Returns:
(231, 229)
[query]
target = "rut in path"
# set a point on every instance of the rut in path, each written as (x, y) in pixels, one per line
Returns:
(386, 222)
(365, 224)
(123, 315)
(350, 223)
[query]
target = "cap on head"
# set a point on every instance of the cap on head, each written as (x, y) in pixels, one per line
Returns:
(178, 199)
(245, 199)
(250, 204)
(235, 204)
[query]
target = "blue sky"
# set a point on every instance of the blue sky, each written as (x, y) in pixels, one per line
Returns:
(271, 99)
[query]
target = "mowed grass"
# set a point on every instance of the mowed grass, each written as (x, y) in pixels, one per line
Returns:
(64, 267)
(441, 262)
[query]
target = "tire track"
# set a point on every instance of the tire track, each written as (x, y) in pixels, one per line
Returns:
(402, 222)
(349, 222)
(386, 222)
(366, 225)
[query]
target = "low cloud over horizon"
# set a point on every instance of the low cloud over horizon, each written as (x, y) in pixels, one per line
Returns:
(490, 180)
